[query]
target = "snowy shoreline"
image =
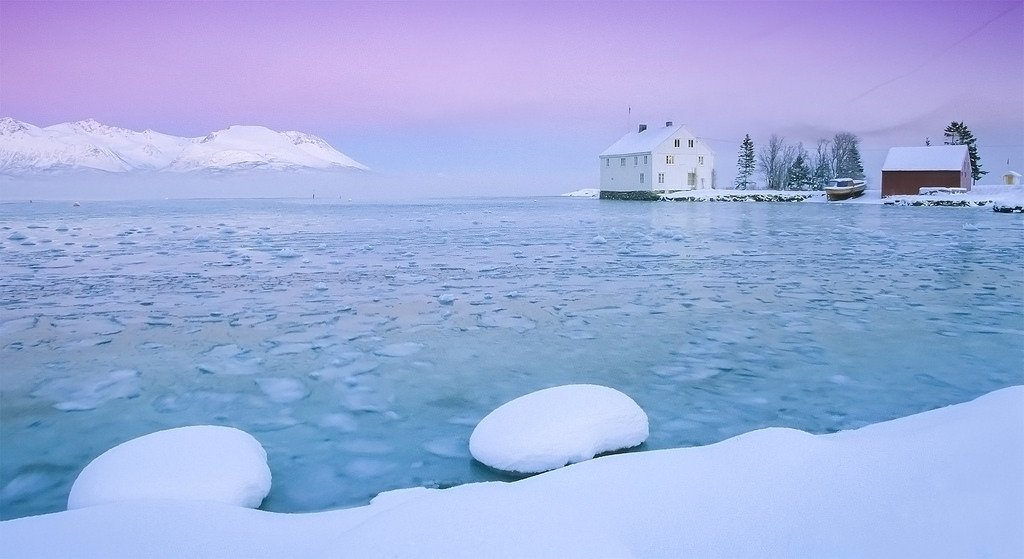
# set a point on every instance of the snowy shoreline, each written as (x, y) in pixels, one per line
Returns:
(999, 197)
(940, 483)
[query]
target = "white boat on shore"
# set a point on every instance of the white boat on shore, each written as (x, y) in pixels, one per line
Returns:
(844, 189)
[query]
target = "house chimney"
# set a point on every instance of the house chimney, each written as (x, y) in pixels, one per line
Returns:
(642, 128)
(667, 124)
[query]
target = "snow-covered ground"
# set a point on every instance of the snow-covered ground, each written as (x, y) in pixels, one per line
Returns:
(987, 196)
(584, 193)
(978, 196)
(944, 483)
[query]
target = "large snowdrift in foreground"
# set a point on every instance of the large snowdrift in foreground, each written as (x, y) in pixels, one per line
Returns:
(945, 483)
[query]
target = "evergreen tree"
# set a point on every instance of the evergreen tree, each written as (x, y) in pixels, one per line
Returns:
(958, 135)
(856, 166)
(800, 173)
(746, 164)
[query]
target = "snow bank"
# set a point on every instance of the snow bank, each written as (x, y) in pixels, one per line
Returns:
(981, 195)
(718, 195)
(944, 483)
(584, 193)
(556, 426)
(995, 196)
(202, 462)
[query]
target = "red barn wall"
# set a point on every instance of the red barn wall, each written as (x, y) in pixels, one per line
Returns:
(910, 182)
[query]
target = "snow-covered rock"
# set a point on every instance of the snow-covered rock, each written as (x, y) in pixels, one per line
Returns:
(556, 426)
(90, 145)
(196, 463)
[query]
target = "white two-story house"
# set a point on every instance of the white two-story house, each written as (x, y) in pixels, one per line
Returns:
(653, 161)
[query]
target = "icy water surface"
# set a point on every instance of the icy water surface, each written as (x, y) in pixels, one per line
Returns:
(361, 343)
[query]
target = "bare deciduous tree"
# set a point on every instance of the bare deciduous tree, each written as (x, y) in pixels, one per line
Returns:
(774, 160)
(821, 169)
(844, 155)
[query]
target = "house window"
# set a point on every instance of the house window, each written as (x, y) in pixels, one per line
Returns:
(607, 162)
(689, 143)
(641, 178)
(636, 160)
(661, 178)
(700, 159)
(622, 162)
(645, 160)
(691, 179)
(670, 160)
(677, 142)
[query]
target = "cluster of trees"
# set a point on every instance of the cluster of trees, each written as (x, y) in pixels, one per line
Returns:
(958, 135)
(791, 167)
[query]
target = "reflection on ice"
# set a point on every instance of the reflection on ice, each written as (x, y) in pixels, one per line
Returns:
(361, 344)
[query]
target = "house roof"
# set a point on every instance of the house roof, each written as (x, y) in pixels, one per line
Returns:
(926, 158)
(641, 142)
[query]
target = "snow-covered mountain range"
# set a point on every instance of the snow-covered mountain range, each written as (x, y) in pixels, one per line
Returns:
(88, 145)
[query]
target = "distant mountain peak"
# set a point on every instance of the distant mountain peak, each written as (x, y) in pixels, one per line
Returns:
(305, 138)
(92, 126)
(87, 124)
(89, 144)
(9, 125)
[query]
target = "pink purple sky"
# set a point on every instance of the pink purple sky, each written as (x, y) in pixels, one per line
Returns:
(520, 97)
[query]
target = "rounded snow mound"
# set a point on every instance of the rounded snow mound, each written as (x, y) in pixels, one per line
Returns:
(201, 462)
(557, 426)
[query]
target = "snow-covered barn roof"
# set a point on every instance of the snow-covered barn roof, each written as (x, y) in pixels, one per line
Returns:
(642, 142)
(926, 158)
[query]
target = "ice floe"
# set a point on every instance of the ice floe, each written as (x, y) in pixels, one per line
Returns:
(340, 421)
(282, 390)
(80, 394)
(446, 299)
(403, 349)
(447, 447)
